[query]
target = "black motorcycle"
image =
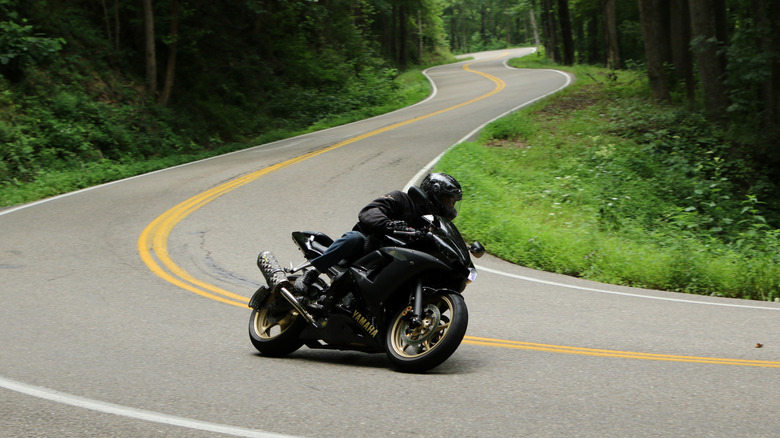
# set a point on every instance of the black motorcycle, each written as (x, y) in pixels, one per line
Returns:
(403, 298)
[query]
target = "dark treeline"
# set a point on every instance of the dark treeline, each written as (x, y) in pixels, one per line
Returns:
(719, 57)
(85, 80)
(302, 42)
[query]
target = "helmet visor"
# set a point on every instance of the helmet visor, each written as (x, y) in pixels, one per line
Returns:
(451, 206)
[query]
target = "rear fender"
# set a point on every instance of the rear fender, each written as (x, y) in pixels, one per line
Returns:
(311, 243)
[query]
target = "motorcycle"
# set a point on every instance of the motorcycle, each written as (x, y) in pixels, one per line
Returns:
(403, 298)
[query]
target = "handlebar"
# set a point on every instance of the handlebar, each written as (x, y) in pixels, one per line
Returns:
(411, 235)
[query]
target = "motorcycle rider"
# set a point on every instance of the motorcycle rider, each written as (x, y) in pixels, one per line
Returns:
(395, 211)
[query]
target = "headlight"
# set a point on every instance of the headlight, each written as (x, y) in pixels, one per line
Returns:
(472, 274)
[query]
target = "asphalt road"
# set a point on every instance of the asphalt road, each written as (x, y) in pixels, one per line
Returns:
(123, 309)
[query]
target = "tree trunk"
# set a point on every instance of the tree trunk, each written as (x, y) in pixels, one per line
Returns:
(595, 55)
(767, 13)
(706, 48)
(611, 35)
(171, 67)
(108, 23)
(509, 21)
(482, 18)
(566, 33)
(773, 83)
(392, 47)
(550, 30)
(537, 43)
(680, 41)
(151, 62)
(116, 28)
(402, 58)
(655, 34)
(420, 36)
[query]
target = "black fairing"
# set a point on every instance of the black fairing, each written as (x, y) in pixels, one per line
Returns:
(377, 285)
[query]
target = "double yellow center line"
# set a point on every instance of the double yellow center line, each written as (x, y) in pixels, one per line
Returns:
(153, 241)
(488, 342)
(153, 249)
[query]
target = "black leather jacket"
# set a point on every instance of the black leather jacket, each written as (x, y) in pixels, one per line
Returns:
(375, 218)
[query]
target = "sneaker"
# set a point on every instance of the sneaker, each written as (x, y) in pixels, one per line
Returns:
(304, 281)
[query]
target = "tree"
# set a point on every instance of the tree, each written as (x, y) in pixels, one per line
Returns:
(550, 30)
(172, 47)
(151, 57)
(654, 16)
(709, 39)
(680, 27)
(532, 17)
(767, 14)
(610, 34)
(566, 34)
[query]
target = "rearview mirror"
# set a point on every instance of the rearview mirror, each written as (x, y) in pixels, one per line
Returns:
(477, 250)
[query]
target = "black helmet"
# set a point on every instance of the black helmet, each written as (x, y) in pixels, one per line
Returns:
(444, 193)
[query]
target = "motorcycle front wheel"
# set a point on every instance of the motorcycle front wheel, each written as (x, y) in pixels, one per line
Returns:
(415, 350)
(276, 332)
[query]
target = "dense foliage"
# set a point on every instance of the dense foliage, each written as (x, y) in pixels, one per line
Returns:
(717, 57)
(601, 183)
(676, 191)
(87, 82)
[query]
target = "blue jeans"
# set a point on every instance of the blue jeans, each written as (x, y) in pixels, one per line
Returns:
(345, 247)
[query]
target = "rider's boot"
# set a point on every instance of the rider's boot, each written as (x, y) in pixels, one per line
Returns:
(304, 282)
(303, 289)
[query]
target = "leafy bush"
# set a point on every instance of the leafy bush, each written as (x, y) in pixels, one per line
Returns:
(69, 140)
(245, 73)
(20, 47)
(598, 182)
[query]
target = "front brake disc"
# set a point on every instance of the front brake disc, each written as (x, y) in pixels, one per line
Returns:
(424, 332)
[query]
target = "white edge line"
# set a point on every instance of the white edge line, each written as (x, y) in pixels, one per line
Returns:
(433, 162)
(124, 411)
(416, 178)
(434, 92)
(140, 414)
(627, 294)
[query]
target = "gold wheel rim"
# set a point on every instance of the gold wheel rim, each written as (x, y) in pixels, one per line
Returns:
(265, 329)
(410, 351)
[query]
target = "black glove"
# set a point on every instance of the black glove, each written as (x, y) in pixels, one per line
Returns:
(398, 226)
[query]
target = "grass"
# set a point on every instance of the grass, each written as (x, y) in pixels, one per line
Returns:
(411, 87)
(598, 182)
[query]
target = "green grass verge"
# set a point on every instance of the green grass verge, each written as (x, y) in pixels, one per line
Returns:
(600, 183)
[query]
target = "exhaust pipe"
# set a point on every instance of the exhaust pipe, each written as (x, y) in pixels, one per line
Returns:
(278, 282)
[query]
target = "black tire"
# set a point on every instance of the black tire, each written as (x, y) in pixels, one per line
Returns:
(417, 352)
(275, 330)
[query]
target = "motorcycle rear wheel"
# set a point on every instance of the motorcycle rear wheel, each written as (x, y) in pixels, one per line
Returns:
(275, 333)
(444, 324)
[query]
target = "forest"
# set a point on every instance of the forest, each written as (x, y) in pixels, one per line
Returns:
(163, 76)
(95, 90)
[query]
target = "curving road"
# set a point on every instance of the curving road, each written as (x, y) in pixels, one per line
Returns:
(123, 308)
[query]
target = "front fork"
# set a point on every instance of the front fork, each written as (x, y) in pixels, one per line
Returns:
(414, 312)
